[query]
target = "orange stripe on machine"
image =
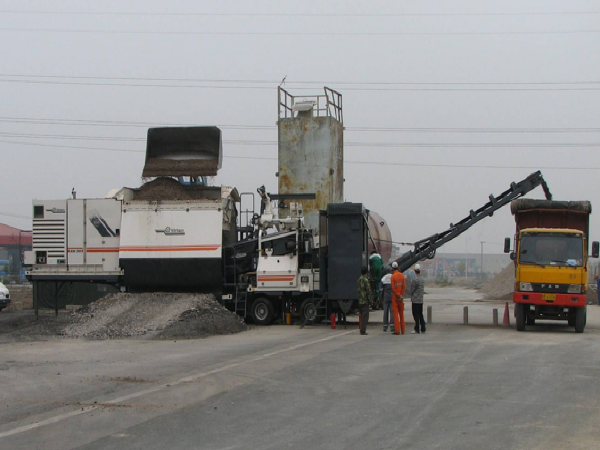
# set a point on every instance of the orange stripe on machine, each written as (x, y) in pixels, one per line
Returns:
(167, 248)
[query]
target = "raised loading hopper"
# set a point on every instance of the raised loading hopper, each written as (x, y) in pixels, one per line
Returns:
(183, 151)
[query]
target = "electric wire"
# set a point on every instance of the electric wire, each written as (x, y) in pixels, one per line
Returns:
(348, 143)
(378, 163)
(259, 81)
(217, 14)
(123, 123)
(294, 33)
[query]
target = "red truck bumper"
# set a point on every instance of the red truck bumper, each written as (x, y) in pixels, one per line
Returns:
(563, 300)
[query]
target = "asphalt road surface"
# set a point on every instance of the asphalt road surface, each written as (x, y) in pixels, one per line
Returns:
(474, 386)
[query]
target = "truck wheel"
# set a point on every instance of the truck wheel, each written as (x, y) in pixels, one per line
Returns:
(530, 316)
(308, 310)
(262, 311)
(580, 318)
(520, 313)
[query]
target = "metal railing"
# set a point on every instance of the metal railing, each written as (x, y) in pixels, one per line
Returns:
(327, 105)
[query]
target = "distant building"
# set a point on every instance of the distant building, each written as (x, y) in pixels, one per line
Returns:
(451, 265)
(13, 243)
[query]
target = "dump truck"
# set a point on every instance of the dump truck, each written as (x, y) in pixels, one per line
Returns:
(550, 253)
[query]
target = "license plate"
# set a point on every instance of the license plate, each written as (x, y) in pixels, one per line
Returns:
(550, 297)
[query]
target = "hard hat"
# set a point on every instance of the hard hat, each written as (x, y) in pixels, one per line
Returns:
(596, 277)
(394, 265)
(418, 267)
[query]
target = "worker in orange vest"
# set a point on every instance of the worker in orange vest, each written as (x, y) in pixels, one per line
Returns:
(398, 288)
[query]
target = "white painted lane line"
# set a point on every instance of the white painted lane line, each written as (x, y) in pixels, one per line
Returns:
(160, 387)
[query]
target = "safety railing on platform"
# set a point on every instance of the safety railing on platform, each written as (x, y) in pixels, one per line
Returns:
(327, 105)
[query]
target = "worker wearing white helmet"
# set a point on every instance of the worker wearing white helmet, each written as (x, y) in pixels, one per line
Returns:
(417, 289)
(398, 289)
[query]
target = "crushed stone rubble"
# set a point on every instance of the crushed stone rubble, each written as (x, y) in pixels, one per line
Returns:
(502, 286)
(172, 314)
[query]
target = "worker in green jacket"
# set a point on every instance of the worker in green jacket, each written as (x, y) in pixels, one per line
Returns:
(364, 299)
(376, 266)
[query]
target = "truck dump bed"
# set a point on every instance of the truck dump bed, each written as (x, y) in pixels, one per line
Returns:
(183, 151)
(551, 214)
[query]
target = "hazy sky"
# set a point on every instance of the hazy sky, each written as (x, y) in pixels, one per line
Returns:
(530, 69)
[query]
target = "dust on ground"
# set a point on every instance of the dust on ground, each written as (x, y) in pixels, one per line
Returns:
(117, 316)
(502, 286)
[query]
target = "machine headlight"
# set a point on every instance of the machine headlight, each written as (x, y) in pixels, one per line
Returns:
(1, 294)
(574, 289)
(525, 287)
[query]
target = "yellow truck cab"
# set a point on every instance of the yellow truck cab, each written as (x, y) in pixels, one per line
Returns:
(550, 256)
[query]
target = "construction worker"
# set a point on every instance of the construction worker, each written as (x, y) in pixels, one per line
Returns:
(364, 299)
(385, 298)
(417, 289)
(376, 266)
(398, 288)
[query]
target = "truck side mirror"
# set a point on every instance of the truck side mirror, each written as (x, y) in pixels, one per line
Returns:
(595, 249)
(513, 256)
(506, 245)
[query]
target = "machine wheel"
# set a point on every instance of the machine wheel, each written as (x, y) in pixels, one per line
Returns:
(580, 319)
(308, 311)
(1, 309)
(262, 311)
(530, 316)
(520, 313)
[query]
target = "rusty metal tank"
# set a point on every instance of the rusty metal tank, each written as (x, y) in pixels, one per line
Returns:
(381, 234)
(310, 151)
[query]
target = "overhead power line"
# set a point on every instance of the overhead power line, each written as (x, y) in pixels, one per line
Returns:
(298, 88)
(294, 33)
(216, 14)
(379, 163)
(347, 143)
(17, 216)
(130, 124)
(291, 80)
(125, 123)
(356, 144)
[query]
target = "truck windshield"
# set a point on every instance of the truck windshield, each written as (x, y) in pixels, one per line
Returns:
(552, 249)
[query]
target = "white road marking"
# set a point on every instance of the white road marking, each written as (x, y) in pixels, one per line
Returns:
(160, 387)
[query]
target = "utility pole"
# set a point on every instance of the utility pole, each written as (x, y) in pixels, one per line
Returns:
(466, 260)
(481, 262)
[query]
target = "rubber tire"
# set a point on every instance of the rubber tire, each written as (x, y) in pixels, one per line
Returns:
(267, 314)
(580, 319)
(520, 315)
(530, 316)
(308, 304)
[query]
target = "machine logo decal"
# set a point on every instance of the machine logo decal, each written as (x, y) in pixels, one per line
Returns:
(171, 231)
(56, 210)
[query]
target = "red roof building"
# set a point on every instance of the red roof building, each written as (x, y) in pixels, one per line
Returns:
(13, 237)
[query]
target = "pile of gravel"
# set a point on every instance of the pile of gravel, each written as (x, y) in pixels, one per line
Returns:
(502, 286)
(156, 315)
(162, 189)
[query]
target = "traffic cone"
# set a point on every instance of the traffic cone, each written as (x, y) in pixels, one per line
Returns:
(506, 320)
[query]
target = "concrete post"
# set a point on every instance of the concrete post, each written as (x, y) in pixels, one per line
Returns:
(466, 315)
(429, 314)
(495, 316)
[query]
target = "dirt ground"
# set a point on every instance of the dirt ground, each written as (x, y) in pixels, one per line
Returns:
(145, 316)
(21, 296)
